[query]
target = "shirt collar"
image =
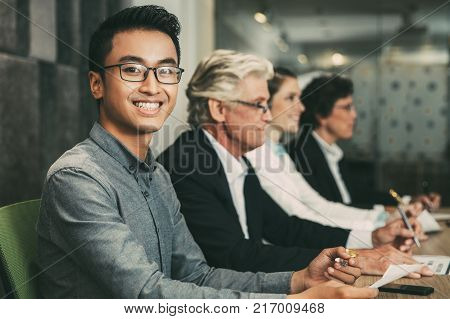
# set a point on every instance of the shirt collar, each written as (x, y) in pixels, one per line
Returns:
(276, 147)
(118, 151)
(233, 167)
(333, 151)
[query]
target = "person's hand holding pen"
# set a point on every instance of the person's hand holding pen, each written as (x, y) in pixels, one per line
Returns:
(406, 245)
(435, 199)
(414, 209)
(325, 267)
(430, 202)
(404, 216)
(418, 230)
(396, 234)
(333, 263)
(411, 210)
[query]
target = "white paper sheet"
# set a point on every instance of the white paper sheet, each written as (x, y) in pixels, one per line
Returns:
(440, 216)
(395, 272)
(429, 224)
(440, 265)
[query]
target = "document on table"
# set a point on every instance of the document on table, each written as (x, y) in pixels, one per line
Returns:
(440, 216)
(429, 224)
(440, 265)
(395, 272)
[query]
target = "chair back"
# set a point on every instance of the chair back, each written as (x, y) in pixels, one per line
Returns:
(18, 249)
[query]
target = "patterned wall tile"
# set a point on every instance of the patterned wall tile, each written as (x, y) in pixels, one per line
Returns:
(19, 129)
(43, 30)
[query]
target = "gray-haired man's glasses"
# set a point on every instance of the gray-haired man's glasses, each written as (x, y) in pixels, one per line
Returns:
(134, 72)
(258, 105)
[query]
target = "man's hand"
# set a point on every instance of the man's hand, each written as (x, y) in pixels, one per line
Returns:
(431, 201)
(418, 230)
(435, 199)
(414, 209)
(335, 290)
(406, 245)
(411, 210)
(324, 268)
(376, 261)
(395, 233)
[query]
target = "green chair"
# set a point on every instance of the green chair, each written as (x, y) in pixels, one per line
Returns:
(18, 249)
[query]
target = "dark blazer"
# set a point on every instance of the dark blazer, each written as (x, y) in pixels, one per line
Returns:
(311, 162)
(202, 188)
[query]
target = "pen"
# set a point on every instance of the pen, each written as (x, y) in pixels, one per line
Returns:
(402, 213)
(344, 263)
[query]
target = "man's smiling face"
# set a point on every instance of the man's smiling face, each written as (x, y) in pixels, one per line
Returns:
(131, 108)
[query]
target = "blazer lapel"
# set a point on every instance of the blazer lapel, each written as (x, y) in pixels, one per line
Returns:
(326, 178)
(215, 170)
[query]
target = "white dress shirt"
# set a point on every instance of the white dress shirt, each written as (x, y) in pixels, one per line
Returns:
(235, 171)
(333, 154)
(288, 188)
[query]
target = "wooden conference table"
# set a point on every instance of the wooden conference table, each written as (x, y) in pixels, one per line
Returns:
(437, 244)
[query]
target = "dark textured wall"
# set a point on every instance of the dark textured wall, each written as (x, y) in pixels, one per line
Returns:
(45, 105)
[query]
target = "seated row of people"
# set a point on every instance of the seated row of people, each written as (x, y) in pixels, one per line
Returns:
(281, 178)
(225, 207)
(330, 116)
(115, 224)
(305, 185)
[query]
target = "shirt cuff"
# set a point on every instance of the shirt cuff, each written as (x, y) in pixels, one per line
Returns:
(359, 239)
(381, 220)
(381, 216)
(278, 282)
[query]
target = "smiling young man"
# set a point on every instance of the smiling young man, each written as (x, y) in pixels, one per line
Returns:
(110, 224)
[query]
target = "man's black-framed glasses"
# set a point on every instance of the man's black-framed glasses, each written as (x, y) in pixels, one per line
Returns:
(135, 72)
(258, 105)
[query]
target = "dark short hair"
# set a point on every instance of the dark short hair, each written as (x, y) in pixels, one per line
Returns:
(148, 17)
(280, 74)
(320, 95)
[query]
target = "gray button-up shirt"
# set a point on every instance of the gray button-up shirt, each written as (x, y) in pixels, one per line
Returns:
(110, 226)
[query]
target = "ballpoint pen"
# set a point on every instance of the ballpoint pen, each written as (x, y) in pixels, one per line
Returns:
(344, 263)
(402, 213)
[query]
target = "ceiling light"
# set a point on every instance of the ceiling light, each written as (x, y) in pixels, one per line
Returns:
(337, 59)
(260, 17)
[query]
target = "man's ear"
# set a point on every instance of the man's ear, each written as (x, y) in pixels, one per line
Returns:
(321, 120)
(96, 85)
(217, 110)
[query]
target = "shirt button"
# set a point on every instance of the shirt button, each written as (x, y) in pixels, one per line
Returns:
(132, 167)
(146, 194)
